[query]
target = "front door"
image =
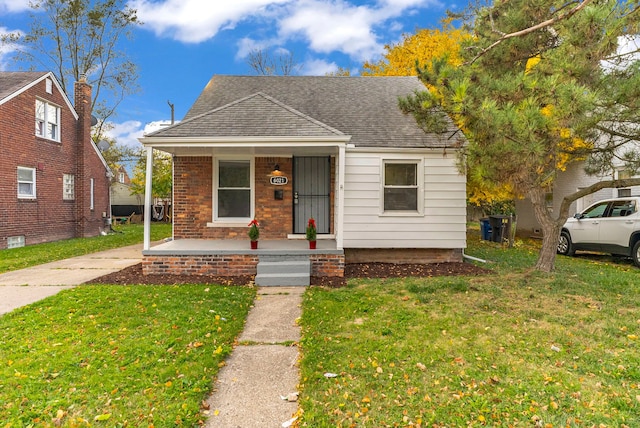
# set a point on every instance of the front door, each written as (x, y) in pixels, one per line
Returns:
(312, 193)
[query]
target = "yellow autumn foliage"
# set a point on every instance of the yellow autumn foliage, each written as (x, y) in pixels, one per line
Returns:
(423, 46)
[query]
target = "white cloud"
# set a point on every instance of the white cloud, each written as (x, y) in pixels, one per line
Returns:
(13, 6)
(334, 26)
(194, 21)
(326, 26)
(318, 67)
(126, 133)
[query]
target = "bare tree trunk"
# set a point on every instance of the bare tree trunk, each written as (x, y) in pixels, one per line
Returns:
(550, 231)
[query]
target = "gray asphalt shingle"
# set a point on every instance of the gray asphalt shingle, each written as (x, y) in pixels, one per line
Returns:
(366, 108)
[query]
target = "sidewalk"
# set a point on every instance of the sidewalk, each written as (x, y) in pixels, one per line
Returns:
(263, 368)
(25, 286)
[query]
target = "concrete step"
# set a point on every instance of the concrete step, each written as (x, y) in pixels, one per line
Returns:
(283, 271)
(282, 279)
(292, 266)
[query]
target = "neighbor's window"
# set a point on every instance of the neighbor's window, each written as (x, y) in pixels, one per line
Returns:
(47, 120)
(234, 189)
(68, 187)
(26, 182)
(400, 184)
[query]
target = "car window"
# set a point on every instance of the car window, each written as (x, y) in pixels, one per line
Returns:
(596, 211)
(621, 208)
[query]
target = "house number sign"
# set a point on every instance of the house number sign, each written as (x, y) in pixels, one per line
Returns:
(279, 180)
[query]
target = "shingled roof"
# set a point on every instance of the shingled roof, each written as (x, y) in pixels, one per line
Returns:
(13, 81)
(365, 108)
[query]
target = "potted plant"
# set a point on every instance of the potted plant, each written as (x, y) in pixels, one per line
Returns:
(311, 233)
(254, 233)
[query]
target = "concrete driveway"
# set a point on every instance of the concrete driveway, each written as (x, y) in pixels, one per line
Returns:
(25, 286)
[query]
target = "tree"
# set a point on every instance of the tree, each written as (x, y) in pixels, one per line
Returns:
(76, 38)
(420, 49)
(263, 63)
(162, 183)
(403, 59)
(533, 97)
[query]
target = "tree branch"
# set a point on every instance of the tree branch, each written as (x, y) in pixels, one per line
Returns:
(531, 29)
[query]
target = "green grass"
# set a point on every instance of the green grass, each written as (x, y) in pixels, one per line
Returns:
(117, 356)
(517, 348)
(31, 255)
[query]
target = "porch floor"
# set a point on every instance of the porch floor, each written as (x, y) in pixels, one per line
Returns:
(240, 246)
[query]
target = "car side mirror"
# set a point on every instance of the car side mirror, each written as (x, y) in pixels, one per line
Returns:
(578, 216)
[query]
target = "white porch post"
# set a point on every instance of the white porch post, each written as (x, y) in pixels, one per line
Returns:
(147, 200)
(340, 210)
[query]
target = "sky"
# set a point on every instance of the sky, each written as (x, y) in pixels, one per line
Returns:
(183, 43)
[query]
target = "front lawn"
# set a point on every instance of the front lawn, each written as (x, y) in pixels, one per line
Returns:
(517, 348)
(31, 255)
(117, 356)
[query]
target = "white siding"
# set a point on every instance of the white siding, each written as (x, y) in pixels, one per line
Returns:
(442, 223)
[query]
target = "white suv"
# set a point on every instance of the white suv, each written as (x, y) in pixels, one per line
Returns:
(608, 226)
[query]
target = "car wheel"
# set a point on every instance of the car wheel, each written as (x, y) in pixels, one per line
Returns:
(565, 247)
(635, 254)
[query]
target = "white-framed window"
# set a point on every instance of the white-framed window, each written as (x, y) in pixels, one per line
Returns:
(402, 186)
(26, 182)
(47, 120)
(49, 86)
(68, 187)
(233, 190)
(121, 177)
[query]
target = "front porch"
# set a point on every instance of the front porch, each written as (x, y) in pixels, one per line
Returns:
(234, 257)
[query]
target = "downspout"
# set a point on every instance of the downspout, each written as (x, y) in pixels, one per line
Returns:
(475, 259)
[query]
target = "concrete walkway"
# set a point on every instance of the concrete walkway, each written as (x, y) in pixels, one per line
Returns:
(25, 286)
(261, 369)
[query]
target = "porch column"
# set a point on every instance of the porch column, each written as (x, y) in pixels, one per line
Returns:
(147, 200)
(340, 210)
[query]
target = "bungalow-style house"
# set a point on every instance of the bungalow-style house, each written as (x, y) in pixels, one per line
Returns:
(54, 183)
(284, 149)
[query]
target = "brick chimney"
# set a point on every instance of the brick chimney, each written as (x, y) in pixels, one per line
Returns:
(82, 100)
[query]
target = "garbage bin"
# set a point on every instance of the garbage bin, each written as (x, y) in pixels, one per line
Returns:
(485, 229)
(500, 227)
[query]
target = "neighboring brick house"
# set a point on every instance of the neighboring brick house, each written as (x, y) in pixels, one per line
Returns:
(283, 149)
(54, 183)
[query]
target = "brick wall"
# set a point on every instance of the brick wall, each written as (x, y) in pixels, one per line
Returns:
(220, 265)
(193, 203)
(230, 264)
(47, 217)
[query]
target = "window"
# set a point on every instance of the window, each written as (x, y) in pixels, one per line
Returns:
(47, 120)
(401, 188)
(68, 187)
(121, 177)
(49, 86)
(26, 182)
(15, 241)
(233, 189)
(596, 211)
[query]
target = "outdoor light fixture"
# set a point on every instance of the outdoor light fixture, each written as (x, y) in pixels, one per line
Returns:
(276, 170)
